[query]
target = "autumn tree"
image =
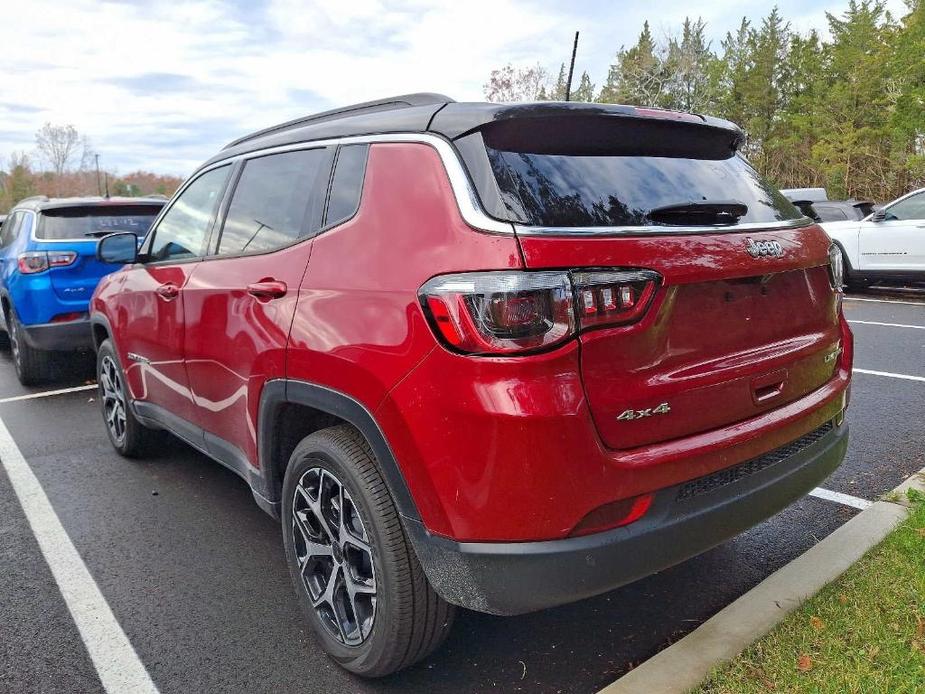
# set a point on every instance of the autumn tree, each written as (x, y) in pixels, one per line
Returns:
(60, 146)
(516, 84)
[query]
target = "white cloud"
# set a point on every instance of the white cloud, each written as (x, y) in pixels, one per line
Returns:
(162, 85)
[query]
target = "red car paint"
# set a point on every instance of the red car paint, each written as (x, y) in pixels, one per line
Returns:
(497, 448)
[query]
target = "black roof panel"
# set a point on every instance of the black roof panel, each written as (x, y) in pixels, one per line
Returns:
(428, 112)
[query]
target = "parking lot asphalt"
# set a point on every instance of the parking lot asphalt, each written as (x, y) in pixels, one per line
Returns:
(194, 571)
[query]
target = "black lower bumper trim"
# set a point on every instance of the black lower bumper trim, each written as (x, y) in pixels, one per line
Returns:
(514, 578)
(64, 337)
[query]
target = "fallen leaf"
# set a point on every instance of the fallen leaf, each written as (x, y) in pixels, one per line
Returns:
(816, 623)
(842, 598)
(804, 663)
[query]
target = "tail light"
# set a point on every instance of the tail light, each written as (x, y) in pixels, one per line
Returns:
(613, 298)
(517, 312)
(500, 312)
(32, 262)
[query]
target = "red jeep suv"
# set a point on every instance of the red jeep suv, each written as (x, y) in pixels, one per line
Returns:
(497, 356)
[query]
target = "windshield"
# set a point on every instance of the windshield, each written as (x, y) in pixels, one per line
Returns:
(98, 220)
(562, 190)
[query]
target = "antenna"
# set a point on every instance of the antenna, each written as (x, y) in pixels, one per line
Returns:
(99, 186)
(571, 69)
(107, 184)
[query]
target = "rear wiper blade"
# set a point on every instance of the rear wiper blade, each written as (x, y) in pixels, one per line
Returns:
(700, 212)
(101, 232)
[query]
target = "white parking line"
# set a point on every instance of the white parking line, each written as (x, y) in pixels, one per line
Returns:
(888, 325)
(47, 393)
(839, 498)
(904, 377)
(885, 301)
(118, 666)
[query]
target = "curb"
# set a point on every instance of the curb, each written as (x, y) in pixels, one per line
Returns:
(686, 663)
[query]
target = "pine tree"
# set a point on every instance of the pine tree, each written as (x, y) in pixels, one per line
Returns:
(558, 93)
(689, 64)
(637, 76)
(585, 91)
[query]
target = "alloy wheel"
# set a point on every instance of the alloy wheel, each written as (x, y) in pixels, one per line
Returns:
(113, 398)
(334, 556)
(14, 342)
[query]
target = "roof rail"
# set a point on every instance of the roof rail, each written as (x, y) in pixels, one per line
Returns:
(42, 198)
(387, 104)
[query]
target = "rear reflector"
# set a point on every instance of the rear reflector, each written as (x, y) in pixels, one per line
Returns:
(613, 515)
(68, 317)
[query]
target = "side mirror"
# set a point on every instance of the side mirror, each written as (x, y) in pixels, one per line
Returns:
(119, 249)
(878, 216)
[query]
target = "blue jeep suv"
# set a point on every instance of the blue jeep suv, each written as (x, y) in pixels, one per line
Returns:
(49, 269)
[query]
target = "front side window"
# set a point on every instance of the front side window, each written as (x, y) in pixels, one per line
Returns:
(912, 207)
(276, 201)
(95, 220)
(183, 231)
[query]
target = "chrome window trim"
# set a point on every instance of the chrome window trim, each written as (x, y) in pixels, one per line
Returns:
(523, 230)
(467, 198)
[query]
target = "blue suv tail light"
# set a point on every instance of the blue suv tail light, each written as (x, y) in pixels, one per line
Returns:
(39, 261)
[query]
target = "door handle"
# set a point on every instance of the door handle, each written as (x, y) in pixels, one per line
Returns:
(168, 292)
(267, 289)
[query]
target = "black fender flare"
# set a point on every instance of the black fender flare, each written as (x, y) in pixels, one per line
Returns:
(279, 392)
(100, 319)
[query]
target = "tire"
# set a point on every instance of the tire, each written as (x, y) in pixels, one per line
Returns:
(32, 365)
(333, 487)
(128, 436)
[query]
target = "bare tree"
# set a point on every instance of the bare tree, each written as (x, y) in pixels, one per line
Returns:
(510, 84)
(59, 145)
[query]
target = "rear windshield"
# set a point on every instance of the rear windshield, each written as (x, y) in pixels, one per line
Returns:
(564, 190)
(99, 220)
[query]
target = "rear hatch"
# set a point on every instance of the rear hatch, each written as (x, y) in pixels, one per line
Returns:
(77, 229)
(744, 318)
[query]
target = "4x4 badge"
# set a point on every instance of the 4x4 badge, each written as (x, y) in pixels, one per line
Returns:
(628, 415)
(758, 249)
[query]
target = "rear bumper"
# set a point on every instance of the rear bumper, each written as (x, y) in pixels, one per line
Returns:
(683, 521)
(64, 337)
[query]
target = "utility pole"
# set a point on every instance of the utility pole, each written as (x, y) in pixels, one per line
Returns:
(571, 69)
(99, 184)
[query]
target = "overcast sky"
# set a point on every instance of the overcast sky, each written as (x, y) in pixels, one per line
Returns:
(162, 85)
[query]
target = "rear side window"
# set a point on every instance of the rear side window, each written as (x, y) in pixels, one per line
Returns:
(347, 184)
(276, 202)
(564, 190)
(10, 229)
(97, 220)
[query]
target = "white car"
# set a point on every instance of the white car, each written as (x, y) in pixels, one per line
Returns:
(887, 244)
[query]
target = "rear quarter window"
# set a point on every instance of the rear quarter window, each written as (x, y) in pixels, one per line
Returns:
(347, 184)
